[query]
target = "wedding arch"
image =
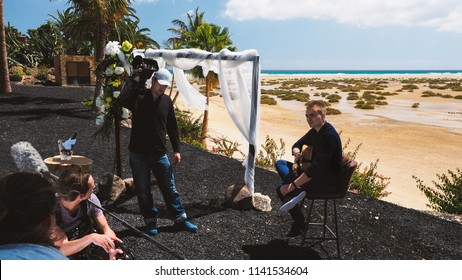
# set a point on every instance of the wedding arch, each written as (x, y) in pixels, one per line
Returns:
(240, 85)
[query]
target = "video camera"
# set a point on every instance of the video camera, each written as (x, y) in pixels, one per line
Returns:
(148, 67)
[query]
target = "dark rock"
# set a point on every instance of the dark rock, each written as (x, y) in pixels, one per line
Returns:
(238, 197)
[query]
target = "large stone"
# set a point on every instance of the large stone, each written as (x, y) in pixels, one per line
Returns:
(261, 202)
(118, 188)
(238, 197)
(110, 187)
(104, 187)
(129, 184)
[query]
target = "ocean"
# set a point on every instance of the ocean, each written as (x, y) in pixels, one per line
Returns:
(361, 72)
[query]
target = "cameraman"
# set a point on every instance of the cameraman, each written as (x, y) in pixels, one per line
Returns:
(153, 118)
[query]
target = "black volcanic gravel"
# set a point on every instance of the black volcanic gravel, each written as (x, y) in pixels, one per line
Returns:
(369, 228)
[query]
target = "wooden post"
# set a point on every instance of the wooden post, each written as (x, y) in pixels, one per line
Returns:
(117, 120)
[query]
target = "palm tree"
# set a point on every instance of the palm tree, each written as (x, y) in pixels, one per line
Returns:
(98, 17)
(47, 41)
(4, 73)
(199, 34)
(212, 38)
(202, 35)
(128, 29)
(76, 41)
(183, 30)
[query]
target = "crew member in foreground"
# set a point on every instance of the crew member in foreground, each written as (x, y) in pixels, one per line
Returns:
(81, 226)
(27, 203)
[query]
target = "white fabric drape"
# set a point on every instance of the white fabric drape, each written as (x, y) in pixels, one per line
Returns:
(239, 77)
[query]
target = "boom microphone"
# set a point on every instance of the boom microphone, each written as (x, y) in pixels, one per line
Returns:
(28, 159)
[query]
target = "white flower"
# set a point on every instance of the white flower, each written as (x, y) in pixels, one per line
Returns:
(116, 94)
(112, 48)
(119, 70)
(125, 113)
(109, 71)
(100, 120)
(99, 101)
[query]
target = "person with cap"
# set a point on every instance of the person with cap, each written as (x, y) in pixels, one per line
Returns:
(153, 118)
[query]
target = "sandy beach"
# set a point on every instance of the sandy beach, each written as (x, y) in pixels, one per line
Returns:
(422, 141)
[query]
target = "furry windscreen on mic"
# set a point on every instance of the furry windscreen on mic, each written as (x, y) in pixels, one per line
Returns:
(28, 159)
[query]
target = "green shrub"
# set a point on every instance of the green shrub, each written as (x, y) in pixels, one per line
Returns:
(15, 77)
(265, 99)
(353, 96)
(190, 130)
(447, 197)
(16, 73)
(458, 97)
(332, 111)
(286, 94)
(333, 98)
(27, 71)
(271, 154)
(42, 73)
(428, 93)
(366, 106)
(17, 70)
(415, 105)
(225, 147)
(369, 182)
(410, 87)
(456, 88)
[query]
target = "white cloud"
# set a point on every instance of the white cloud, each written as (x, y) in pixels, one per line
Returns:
(445, 15)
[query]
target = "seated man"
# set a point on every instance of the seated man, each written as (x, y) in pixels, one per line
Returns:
(322, 175)
(75, 217)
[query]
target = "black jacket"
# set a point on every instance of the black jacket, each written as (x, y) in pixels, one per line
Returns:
(152, 119)
(327, 153)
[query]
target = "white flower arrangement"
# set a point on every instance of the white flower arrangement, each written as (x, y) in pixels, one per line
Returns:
(115, 68)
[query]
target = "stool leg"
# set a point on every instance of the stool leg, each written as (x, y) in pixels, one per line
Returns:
(324, 222)
(336, 229)
(307, 223)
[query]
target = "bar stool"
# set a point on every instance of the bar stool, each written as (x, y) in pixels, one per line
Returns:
(328, 233)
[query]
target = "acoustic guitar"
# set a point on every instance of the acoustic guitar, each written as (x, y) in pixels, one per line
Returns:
(304, 162)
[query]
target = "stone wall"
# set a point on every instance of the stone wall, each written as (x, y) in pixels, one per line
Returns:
(74, 70)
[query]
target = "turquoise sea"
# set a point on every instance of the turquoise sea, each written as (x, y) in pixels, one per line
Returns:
(361, 72)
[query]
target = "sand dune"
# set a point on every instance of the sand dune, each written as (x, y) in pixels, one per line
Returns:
(407, 141)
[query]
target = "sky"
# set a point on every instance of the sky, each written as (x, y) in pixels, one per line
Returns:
(305, 34)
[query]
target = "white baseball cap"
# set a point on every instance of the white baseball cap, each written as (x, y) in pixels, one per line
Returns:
(163, 77)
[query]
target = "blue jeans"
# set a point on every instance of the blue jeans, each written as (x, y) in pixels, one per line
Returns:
(142, 165)
(315, 185)
(284, 169)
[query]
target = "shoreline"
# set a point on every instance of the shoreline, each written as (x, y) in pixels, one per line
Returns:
(404, 148)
